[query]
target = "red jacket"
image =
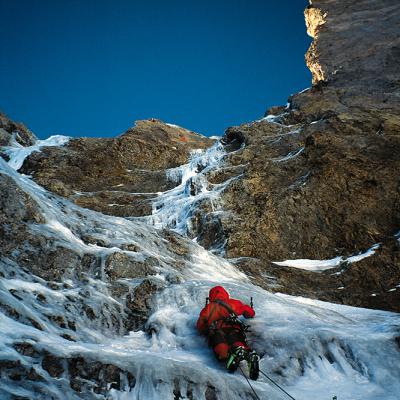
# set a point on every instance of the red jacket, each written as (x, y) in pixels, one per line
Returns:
(214, 311)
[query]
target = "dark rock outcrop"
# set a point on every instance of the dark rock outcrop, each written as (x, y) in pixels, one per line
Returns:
(116, 176)
(10, 130)
(81, 374)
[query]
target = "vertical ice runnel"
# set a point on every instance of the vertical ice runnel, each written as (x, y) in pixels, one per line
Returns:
(174, 208)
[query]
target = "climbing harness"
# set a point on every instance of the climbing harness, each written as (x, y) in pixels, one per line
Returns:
(232, 319)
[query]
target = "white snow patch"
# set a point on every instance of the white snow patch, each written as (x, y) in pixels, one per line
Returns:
(175, 126)
(272, 118)
(19, 153)
(311, 265)
(322, 265)
(368, 253)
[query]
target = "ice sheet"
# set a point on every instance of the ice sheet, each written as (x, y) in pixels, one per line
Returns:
(313, 349)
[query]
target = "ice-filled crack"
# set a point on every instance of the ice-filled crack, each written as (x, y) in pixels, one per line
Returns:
(173, 209)
(289, 156)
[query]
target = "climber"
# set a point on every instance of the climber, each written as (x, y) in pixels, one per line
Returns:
(226, 333)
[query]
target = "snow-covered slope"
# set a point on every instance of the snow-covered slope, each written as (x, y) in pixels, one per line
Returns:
(67, 339)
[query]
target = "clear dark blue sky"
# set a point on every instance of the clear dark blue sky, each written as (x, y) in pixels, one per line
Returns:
(93, 67)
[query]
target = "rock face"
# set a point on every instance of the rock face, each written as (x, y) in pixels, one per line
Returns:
(57, 261)
(10, 130)
(116, 176)
(355, 44)
(318, 179)
(321, 177)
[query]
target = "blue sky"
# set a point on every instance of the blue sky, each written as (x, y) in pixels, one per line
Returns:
(91, 68)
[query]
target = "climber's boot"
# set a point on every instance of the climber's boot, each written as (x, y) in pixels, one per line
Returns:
(253, 360)
(238, 354)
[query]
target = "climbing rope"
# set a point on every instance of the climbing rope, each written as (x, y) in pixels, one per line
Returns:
(283, 390)
(247, 379)
(270, 379)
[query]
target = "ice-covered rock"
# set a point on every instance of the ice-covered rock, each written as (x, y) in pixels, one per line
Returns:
(95, 306)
